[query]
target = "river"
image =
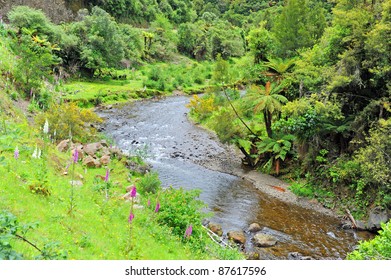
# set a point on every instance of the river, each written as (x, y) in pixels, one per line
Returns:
(160, 130)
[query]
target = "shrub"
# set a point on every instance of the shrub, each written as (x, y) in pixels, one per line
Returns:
(378, 248)
(150, 183)
(179, 209)
(69, 121)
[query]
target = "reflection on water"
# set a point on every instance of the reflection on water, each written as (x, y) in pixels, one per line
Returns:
(161, 130)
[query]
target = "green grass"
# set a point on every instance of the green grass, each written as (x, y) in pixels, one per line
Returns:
(97, 229)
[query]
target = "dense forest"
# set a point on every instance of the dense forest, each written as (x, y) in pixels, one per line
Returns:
(315, 110)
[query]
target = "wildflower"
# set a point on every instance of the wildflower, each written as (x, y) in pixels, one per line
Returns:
(107, 175)
(188, 231)
(75, 155)
(46, 127)
(131, 217)
(157, 207)
(35, 153)
(16, 153)
(149, 202)
(133, 192)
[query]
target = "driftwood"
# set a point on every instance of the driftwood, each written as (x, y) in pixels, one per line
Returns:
(351, 218)
(217, 239)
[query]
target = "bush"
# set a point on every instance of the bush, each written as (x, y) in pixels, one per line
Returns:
(150, 183)
(69, 121)
(378, 248)
(179, 209)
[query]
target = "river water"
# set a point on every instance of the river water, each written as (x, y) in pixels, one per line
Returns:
(160, 130)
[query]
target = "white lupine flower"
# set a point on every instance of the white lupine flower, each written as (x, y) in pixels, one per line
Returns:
(46, 127)
(35, 153)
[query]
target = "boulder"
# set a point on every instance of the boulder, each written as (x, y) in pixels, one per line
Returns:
(237, 237)
(105, 160)
(264, 240)
(105, 151)
(377, 216)
(216, 228)
(79, 150)
(89, 161)
(254, 227)
(63, 145)
(92, 149)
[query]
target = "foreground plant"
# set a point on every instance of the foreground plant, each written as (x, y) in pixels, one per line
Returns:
(10, 229)
(72, 199)
(133, 194)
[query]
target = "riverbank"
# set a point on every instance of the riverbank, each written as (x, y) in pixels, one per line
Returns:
(229, 161)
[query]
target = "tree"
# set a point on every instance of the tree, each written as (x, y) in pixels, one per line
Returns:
(261, 43)
(278, 67)
(268, 100)
(299, 25)
(101, 44)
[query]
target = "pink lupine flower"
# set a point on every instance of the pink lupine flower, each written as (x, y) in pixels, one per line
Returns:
(149, 202)
(75, 155)
(188, 231)
(16, 153)
(157, 207)
(131, 217)
(133, 192)
(107, 175)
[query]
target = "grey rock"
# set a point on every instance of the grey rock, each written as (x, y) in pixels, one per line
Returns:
(254, 227)
(377, 216)
(264, 240)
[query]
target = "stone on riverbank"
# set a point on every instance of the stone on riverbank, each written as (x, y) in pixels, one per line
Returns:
(254, 227)
(264, 240)
(237, 237)
(216, 228)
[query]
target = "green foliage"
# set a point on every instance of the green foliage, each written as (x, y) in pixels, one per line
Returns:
(378, 248)
(67, 121)
(299, 25)
(23, 17)
(301, 190)
(149, 184)
(202, 107)
(11, 230)
(101, 44)
(179, 209)
(374, 161)
(261, 42)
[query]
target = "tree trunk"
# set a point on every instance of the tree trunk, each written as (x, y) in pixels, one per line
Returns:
(268, 123)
